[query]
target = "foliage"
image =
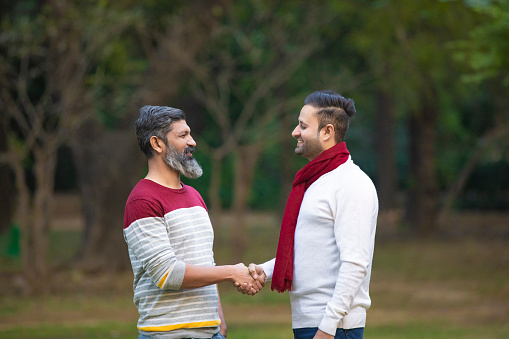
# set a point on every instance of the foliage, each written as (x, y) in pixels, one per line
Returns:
(249, 42)
(50, 56)
(487, 45)
(246, 67)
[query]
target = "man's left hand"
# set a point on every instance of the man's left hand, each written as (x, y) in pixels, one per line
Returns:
(322, 335)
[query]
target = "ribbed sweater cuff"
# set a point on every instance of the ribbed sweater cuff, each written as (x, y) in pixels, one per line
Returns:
(176, 277)
(328, 325)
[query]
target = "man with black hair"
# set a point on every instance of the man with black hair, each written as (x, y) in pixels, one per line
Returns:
(170, 237)
(327, 236)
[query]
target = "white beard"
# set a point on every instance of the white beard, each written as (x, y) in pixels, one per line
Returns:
(188, 167)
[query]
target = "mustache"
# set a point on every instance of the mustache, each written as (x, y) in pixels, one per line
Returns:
(189, 150)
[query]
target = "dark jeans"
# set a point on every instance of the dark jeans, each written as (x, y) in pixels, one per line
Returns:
(309, 333)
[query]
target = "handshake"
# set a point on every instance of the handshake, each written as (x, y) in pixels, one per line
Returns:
(249, 280)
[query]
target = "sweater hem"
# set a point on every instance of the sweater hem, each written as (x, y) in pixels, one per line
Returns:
(163, 328)
(351, 320)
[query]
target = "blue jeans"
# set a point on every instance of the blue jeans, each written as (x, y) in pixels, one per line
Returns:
(309, 333)
(215, 336)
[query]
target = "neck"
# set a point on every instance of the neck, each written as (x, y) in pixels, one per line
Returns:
(161, 173)
(330, 144)
(325, 146)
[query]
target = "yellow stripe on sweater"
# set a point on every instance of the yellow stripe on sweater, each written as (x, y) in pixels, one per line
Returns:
(177, 326)
(163, 280)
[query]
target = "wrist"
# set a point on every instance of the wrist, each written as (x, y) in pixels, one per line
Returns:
(229, 273)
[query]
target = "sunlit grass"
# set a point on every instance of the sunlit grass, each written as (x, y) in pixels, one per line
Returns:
(75, 331)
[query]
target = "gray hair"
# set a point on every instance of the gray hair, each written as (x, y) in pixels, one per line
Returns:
(155, 121)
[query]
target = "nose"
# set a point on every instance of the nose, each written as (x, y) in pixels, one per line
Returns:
(296, 132)
(191, 142)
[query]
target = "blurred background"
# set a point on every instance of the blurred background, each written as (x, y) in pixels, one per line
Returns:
(430, 81)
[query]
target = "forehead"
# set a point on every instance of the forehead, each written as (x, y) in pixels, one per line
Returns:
(179, 126)
(307, 115)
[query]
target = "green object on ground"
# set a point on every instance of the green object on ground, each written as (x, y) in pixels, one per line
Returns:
(13, 246)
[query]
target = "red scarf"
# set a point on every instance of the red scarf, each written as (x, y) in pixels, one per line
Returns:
(327, 161)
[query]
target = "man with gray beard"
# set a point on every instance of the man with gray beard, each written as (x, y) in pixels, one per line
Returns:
(170, 237)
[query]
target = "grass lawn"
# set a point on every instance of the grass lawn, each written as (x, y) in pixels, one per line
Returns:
(449, 288)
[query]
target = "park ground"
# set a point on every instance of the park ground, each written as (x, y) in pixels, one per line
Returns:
(453, 286)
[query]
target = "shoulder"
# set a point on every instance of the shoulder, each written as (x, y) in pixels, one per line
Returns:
(145, 193)
(350, 177)
(142, 203)
(352, 190)
(144, 189)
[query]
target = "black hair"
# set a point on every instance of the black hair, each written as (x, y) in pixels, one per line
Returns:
(333, 109)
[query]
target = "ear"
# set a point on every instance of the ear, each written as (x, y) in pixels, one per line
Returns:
(157, 144)
(328, 132)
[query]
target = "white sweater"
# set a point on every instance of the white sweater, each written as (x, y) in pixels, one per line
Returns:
(333, 252)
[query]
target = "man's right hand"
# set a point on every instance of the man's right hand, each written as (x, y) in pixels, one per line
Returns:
(243, 278)
(258, 275)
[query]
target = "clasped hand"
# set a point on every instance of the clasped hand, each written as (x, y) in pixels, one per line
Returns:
(255, 283)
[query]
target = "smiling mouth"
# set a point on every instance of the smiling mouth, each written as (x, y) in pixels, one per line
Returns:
(189, 152)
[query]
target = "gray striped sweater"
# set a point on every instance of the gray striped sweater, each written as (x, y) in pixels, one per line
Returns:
(164, 229)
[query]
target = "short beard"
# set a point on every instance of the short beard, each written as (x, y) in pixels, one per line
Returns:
(188, 167)
(309, 148)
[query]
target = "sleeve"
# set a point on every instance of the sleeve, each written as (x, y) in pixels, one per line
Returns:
(355, 206)
(148, 241)
(268, 268)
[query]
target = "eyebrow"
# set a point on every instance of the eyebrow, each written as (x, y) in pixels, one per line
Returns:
(183, 130)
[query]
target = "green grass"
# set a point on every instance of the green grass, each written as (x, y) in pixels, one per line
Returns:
(78, 331)
(257, 331)
(449, 288)
(436, 331)
(107, 329)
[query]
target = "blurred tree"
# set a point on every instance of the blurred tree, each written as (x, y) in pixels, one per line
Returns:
(7, 187)
(376, 45)
(255, 51)
(48, 51)
(423, 30)
(487, 45)
(405, 44)
(140, 72)
(485, 51)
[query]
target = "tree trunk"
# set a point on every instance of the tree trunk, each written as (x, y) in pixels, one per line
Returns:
(421, 208)
(24, 212)
(216, 205)
(7, 187)
(457, 187)
(35, 215)
(385, 141)
(497, 133)
(110, 163)
(106, 175)
(245, 162)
